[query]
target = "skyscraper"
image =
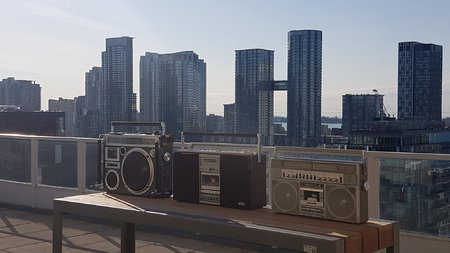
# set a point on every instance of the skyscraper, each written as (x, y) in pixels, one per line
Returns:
(117, 65)
(84, 124)
(304, 87)
(22, 93)
(150, 88)
(94, 88)
(91, 114)
(253, 92)
(419, 81)
(358, 110)
(173, 90)
(229, 117)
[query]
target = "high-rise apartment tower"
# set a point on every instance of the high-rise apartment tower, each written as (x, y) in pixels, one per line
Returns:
(253, 92)
(173, 90)
(117, 66)
(229, 118)
(92, 114)
(419, 81)
(304, 87)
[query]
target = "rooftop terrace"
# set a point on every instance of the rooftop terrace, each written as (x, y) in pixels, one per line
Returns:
(412, 188)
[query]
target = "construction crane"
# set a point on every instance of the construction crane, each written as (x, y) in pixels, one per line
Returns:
(385, 113)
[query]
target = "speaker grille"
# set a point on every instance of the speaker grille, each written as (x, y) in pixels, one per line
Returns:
(285, 196)
(112, 180)
(341, 203)
(137, 171)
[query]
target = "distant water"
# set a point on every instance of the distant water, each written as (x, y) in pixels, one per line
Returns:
(333, 125)
(330, 125)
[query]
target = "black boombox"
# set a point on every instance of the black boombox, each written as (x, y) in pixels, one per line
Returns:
(137, 164)
(226, 178)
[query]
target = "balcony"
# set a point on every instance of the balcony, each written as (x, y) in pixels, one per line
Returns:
(410, 187)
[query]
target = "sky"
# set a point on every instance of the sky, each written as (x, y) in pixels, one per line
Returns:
(56, 42)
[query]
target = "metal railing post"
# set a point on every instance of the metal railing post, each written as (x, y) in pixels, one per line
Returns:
(373, 171)
(81, 166)
(35, 174)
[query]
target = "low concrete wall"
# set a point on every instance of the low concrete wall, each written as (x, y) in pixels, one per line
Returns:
(411, 243)
(45, 195)
(16, 193)
(41, 196)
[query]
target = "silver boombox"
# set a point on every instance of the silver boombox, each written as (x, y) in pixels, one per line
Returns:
(333, 190)
(137, 164)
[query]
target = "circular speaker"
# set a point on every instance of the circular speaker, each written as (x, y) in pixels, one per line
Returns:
(285, 196)
(341, 203)
(112, 180)
(137, 171)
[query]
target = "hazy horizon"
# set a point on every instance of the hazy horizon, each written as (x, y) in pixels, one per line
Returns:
(56, 42)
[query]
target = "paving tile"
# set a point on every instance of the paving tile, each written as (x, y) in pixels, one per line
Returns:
(83, 228)
(223, 249)
(87, 238)
(12, 212)
(25, 228)
(161, 249)
(103, 246)
(172, 241)
(7, 221)
(2, 234)
(15, 241)
(45, 235)
(41, 247)
(113, 236)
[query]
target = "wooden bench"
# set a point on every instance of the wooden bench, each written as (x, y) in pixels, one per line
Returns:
(260, 226)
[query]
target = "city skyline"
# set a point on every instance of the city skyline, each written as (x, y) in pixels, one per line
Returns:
(55, 42)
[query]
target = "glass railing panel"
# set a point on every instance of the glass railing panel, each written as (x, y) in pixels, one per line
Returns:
(92, 167)
(416, 193)
(15, 159)
(58, 163)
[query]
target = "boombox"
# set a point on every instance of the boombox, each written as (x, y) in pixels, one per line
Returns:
(138, 164)
(334, 190)
(225, 178)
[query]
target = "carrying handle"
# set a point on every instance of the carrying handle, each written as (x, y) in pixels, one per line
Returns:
(257, 136)
(134, 123)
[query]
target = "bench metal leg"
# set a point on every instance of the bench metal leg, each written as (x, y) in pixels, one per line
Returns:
(396, 247)
(128, 244)
(57, 232)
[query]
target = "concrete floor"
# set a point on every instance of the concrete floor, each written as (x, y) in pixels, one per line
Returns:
(26, 231)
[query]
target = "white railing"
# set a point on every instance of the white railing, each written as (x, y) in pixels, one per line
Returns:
(30, 190)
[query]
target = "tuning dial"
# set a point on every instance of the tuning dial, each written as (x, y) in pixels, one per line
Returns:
(167, 156)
